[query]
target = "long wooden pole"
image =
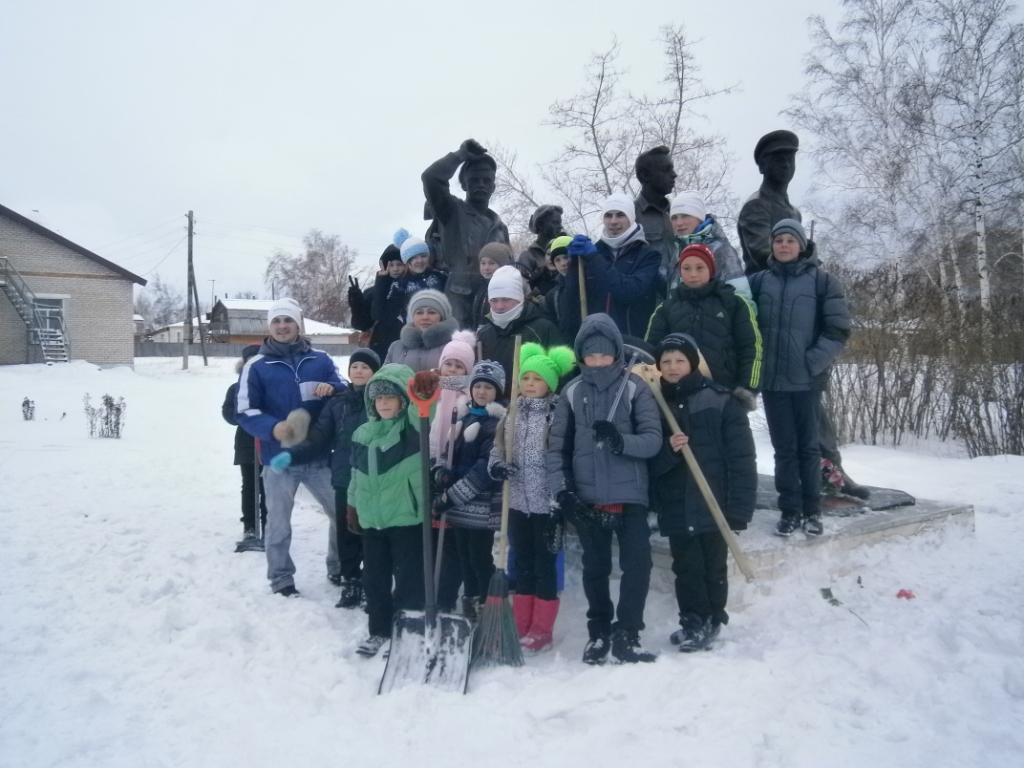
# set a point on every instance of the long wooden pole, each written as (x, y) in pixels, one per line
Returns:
(510, 435)
(698, 475)
(583, 288)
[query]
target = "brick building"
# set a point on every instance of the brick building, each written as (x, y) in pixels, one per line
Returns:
(60, 301)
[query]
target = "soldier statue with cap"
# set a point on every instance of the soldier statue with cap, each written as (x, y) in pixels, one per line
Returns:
(546, 224)
(775, 155)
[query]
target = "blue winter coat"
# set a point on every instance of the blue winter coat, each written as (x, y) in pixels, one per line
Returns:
(622, 284)
(270, 387)
(804, 322)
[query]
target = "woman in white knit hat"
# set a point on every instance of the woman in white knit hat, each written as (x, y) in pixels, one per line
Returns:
(693, 225)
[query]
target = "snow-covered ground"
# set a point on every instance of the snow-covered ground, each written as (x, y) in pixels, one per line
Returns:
(132, 635)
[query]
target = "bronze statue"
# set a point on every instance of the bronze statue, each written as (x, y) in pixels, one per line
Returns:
(657, 176)
(775, 155)
(546, 224)
(465, 226)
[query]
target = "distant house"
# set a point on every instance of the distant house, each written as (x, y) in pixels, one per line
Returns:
(140, 327)
(61, 301)
(244, 321)
(175, 332)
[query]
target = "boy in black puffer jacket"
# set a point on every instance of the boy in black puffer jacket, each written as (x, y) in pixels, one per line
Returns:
(466, 490)
(341, 416)
(805, 322)
(721, 322)
(246, 460)
(714, 422)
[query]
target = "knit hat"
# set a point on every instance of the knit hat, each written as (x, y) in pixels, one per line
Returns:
(700, 251)
(384, 388)
(391, 253)
(462, 347)
(410, 245)
(490, 372)
(285, 308)
(689, 204)
(506, 283)
(367, 356)
(559, 246)
(497, 252)
(619, 202)
(791, 227)
(541, 212)
(550, 364)
(681, 342)
(430, 298)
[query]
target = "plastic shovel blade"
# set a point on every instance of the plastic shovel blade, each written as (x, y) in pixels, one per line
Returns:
(250, 545)
(437, 656)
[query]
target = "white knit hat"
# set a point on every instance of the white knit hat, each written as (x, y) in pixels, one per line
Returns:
(619, 202)
(506, 283)
(286, 308)
(410, 245)
(689, 203)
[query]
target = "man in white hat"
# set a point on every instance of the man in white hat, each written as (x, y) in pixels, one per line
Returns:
(279, 391)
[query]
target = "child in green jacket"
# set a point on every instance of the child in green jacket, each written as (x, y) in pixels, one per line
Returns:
(385, 503)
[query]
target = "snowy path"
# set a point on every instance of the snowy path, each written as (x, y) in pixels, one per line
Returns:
(131, 635)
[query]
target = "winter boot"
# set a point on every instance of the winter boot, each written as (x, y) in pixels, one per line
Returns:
(596, 650)
(289, 591)
(351, 594)
(713, 630)
(852, 488)
(522, 612)
(787, 524)
(334, 578)
(471, 608)
(371, 645)
(539, 637)
(812, 524)
(626, 648)
(692, 634)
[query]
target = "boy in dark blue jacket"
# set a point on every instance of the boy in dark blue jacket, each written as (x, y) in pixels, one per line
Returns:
(287, 375)
(714, 422)
(342, 415)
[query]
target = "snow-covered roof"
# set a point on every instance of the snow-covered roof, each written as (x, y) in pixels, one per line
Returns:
(137, 318)
(256, 305)
(316, 328)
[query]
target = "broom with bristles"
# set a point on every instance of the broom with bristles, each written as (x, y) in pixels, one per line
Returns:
(496, 642)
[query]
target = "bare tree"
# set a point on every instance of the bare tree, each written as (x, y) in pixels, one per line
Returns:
(317, 279)
(160, 303)
(607, 127)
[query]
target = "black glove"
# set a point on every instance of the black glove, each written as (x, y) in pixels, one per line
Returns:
(571, 508)
(606, 432)
(442, 504)
(355, 293)
(503, 470)
(610, 521)
(554, 531)
(442, 478)
(736, 525)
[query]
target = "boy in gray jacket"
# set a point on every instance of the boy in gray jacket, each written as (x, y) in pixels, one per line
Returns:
(597, 471)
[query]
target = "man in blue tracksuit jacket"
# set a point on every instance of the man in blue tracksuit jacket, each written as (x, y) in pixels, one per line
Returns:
(285, 375)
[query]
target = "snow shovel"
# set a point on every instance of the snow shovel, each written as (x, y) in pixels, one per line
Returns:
(650, 374)
(446, 459)
(428, 648)
(636, 355)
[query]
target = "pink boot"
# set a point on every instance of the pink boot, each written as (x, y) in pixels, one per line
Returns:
(539, 637)
(522, 611)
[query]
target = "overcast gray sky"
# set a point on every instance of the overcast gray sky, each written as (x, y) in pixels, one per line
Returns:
(271, 118)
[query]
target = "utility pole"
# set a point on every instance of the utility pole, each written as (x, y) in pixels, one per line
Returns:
(213, 294)
(187, 336)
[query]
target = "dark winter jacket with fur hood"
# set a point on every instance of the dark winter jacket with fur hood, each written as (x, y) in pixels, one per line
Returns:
(804, 322)
(473, 492)
(332, 431)
(529, 488)
(715, 420)
(421, 350)
(575, 462)
(723, 324)
(500, 343)
(245, 444)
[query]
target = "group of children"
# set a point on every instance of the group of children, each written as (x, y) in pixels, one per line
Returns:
(593, 451)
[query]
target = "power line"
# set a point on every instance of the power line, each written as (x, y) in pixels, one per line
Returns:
(145, 232)
(159, 246)
(165, 256)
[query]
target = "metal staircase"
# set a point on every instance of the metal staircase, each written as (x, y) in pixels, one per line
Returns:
(46, 325)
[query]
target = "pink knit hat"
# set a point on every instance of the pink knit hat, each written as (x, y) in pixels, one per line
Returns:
(462, 347)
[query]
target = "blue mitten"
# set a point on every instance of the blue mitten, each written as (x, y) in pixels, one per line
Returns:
(581, 245)
(281, 462)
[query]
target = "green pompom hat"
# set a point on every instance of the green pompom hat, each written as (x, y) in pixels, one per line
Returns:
(549, 364)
